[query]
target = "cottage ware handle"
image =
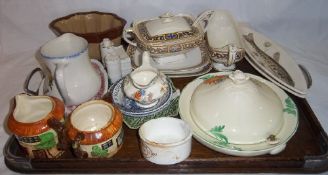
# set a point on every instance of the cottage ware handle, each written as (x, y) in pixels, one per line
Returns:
(60, 81)
(28, 79)
(60, 129)
(125, 36)
(76, 146)
(203, 19)
(307, 75)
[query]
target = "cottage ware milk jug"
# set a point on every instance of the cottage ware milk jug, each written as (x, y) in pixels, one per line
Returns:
(74, 78)
(38, 122)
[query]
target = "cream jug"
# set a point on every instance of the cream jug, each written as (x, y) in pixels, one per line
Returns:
(73, 78)
(146, 85)
(38, 124)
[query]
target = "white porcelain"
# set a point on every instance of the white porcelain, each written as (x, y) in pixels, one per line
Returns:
(165, 141)
(165, 35)
(146, 85)
(299, 85)
(216, 138)
(231, 101)
(74, 78)
(223, 37)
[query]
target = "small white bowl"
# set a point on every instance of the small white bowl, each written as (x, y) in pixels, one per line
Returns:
(165, 141)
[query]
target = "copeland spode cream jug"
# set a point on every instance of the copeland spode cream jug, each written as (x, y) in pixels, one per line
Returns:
(145, 85)
(73, 78)
(37, 123)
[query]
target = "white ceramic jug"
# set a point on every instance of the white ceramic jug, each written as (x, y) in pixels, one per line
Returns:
(73, 78)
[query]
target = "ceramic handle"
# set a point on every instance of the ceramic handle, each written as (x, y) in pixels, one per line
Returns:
(60, 129)
(307, 75)
(76, 146)
(28, 79)
(60, 82)
(204, 18)
(125, 36)
(232, 55)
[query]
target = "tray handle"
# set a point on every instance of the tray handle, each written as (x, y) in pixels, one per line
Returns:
(13, 161)
(307, 75)
(318, 162)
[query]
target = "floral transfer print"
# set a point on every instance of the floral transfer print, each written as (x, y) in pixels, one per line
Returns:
(217, 132)
(290, 107)
(47, 141)
(98, 152)
(213, 79)
(221, 139)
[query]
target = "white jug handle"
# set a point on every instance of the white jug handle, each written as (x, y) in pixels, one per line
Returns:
(125, 36)
(203, 19)
(28, 79)
(60, 81)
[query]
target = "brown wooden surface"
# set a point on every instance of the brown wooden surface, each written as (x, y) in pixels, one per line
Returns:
(306, 152)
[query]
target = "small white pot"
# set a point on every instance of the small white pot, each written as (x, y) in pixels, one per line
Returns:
(165, 141)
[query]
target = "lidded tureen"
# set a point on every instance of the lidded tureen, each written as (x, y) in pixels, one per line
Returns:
(166, 35)
(242, 110)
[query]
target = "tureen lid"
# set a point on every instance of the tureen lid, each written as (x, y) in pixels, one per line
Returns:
(167, 23)
(237, 109)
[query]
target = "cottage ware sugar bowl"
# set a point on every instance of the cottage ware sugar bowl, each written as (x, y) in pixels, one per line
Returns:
(238, 113)
(225, 43)
(37, 122)
(166, 35)
(146, 85)
(95, 128)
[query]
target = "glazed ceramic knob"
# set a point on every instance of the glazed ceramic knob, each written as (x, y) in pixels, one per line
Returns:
(237, 109)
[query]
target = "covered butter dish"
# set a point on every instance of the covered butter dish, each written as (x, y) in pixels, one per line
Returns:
(238, 113)
(166, 35)
(250, 111)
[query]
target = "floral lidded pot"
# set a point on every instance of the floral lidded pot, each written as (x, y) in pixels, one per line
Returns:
(146, 85)
(37, 123)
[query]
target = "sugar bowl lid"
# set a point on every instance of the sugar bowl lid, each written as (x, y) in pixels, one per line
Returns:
(237, 109)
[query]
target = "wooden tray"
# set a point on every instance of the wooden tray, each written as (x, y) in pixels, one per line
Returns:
(306, 152)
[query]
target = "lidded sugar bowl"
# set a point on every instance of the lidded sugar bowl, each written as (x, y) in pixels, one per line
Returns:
(166, 35)
(146, 85)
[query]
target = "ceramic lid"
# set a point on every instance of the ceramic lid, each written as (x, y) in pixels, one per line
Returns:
(167, 23)
(237, 108)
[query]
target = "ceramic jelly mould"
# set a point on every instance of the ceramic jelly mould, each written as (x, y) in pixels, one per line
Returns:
(249, 111)
(166, 35)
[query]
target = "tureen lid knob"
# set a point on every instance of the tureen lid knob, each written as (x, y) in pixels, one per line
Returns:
(238, 77)
(167, 17)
